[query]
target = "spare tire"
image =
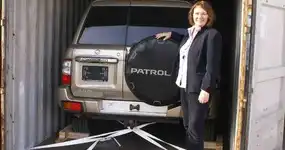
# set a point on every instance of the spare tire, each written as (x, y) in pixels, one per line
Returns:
(148, 71)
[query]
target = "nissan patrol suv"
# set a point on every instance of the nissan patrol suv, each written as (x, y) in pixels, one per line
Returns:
(115, 66)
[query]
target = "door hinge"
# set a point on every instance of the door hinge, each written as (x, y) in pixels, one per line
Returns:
(3, 22)
(244, 103)
(1, 91)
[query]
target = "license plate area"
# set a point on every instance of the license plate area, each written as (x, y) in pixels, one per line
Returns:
(95, 73)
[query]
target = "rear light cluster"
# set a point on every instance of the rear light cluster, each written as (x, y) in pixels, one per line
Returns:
(66, 72)
(72, 106)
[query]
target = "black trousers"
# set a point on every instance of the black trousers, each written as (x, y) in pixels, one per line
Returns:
(194, 115)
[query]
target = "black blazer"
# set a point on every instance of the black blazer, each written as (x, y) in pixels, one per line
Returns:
(203, 59)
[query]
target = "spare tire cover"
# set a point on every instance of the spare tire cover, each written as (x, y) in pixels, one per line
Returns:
(148, 71)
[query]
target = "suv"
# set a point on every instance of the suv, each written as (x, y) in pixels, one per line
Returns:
(116, 67)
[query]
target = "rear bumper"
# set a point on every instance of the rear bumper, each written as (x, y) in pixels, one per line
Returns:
(118, 107)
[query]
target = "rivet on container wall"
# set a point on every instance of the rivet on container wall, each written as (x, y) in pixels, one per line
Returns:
(118, 54)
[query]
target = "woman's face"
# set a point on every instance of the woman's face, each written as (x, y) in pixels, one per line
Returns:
(200, 16)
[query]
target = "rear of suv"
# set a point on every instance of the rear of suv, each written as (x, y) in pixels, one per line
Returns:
(106, 72)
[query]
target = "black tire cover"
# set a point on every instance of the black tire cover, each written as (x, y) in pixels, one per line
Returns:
(148, 71)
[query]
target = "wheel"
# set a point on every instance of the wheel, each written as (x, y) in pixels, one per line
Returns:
(133, 123)
(149, 75)
(79, 125)
(130, 123)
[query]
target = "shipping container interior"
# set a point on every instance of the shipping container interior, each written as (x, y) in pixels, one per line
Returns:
(61, 29)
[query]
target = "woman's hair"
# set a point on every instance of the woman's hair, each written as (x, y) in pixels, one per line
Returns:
(207, 7)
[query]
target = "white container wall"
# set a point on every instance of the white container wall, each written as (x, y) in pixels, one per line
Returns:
(37, 33)
(267, 101)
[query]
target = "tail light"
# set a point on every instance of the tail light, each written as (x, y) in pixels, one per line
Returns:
(66, 72)
(72, 106)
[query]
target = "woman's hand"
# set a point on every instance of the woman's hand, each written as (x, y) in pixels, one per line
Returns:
(166, 35)
(203, 97)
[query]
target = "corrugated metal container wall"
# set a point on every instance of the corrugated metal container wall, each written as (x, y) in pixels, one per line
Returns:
(37, 33)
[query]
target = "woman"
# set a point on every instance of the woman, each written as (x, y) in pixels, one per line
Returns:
(198, 66)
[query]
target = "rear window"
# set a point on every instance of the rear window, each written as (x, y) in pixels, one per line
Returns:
(121, 25)
(105, 25)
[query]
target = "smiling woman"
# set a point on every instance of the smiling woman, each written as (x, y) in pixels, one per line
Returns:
(201, 14)
(198, 67)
